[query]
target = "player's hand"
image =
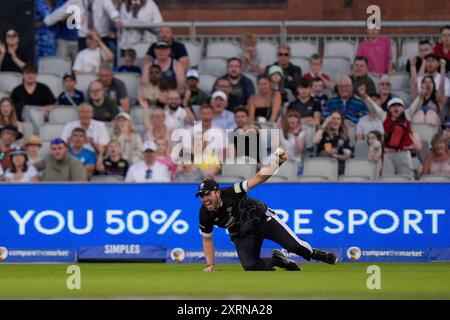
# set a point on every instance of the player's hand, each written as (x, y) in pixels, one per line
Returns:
(282, 156)
(210, 268)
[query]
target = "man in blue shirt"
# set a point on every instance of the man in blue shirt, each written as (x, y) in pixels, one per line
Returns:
(87, 157)
(346, 103)
(223, 119)
(66, 39)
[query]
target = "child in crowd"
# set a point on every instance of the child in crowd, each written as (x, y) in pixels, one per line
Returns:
(316, 65)
(70, 96)
(318, 92)
(128, 62)
(113, 163)
(375, 143)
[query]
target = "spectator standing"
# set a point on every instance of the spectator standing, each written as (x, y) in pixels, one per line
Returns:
(32, 93)
(438, 160)
(177, 49)
(360, 75)
(20, 171)
(292, 73)
(70, 95)
(114, 88)
(346, 103)
(251, 62)
(378, 52)
(12, 56)
(87, 157)
(130, 141)
(66, 39)
(61, 166)
(94, 53)
(142, 11)
(105, 109)
(148, 170)
(266, 105)
(45, 35)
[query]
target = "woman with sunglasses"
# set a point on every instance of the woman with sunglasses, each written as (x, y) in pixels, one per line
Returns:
(11, 56)
(20, 171)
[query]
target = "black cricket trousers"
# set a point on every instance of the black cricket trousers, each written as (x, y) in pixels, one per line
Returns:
(249, 247)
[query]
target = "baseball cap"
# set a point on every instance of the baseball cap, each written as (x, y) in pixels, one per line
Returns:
(446, 125)
(274, 69)
(148, 145)
(162, 44)
(57, 141)
(219, 94)
(70, 75)
(123, 115)
(385, 79)
(206, 187)
(192, 73)
(18, 150)
(12, 128)
(395, 101)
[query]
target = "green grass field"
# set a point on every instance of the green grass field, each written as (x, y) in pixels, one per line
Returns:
(187, 281)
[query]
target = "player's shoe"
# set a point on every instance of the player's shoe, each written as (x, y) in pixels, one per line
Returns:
(280, 260)
(324, 256)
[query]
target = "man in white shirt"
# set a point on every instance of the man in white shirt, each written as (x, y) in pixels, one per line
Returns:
(96, 131)
(148, 170)
(176, 115)
(95, 15)
(91, 58)
(223, 119)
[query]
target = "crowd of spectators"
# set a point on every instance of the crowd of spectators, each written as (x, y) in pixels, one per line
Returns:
(106, 141)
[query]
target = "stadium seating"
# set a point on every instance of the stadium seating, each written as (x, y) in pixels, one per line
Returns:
(63, 114)
(9, 80)
(303, 49)
(194, 50)
(4, 94)
(345, 178)
(206, 82)
(321, 167)
(28, 129)
(131, 81)
(223, 49)
(277, 179)
(310, 129)
(435, 178)
(45, 149)
(410, 48)
(404, 95)
(34, 115)
(141, 48)
(213, 65)
(49, 131)
(267, 52)
(351, 132)
(361, 149)
(83, 81)
(53, 81)
(336, 67)
(236, 169)
(301, 62)
(137, 114)
(396, 178)
(362, 168)
(107, 179)
(229, 179)
(307, 179)
(426, 131)
(338, 48)
(288, 171)
(399, 81)
(375, 78)
(55, 65)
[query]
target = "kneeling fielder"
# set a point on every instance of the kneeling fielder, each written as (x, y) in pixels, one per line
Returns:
(249, 222)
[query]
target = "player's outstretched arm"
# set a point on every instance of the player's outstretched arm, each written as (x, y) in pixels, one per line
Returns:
(266, 172)
(208, 249)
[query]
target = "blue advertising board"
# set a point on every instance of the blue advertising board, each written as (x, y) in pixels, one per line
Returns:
(363, 222)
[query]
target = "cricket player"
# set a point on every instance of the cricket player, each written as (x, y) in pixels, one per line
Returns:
(250, 221)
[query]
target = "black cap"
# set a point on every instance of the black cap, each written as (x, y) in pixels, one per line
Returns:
(162, 44)
(70, 75)
(206, 187)
(433, 56)
(12, 128)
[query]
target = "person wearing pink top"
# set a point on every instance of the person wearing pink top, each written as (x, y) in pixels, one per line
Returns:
(163, 155)
(377, 50)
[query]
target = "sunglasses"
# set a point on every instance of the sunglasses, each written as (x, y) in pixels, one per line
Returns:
(57, 141)
(148, 174)
(282, 54)
(385, 84)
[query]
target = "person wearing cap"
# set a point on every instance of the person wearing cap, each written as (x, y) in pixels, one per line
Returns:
(148, 170)
(96, 131)
(224, 84)
(434, 67)
(360, 75)
(177, 49)
(70, 95)
(130, 141)
(8, 137)
(384, 90)
(346, 102)
(193, 95)
(241, 86)
(292, 73)
(33, 146)
(20, 171)
(398, 139)
(172, 70)
(249, 221)
(60, 166)
(90, 58)
(76, 148)
(278, 83)
(377, 50)
(223, 118)
(32, 93)
(105, 108)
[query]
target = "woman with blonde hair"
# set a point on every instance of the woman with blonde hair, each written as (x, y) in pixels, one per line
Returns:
(163, 155)
(129, 140)
(438, 160)
(266, 105)
(293, 138)
(8, 114)
(332, 139)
